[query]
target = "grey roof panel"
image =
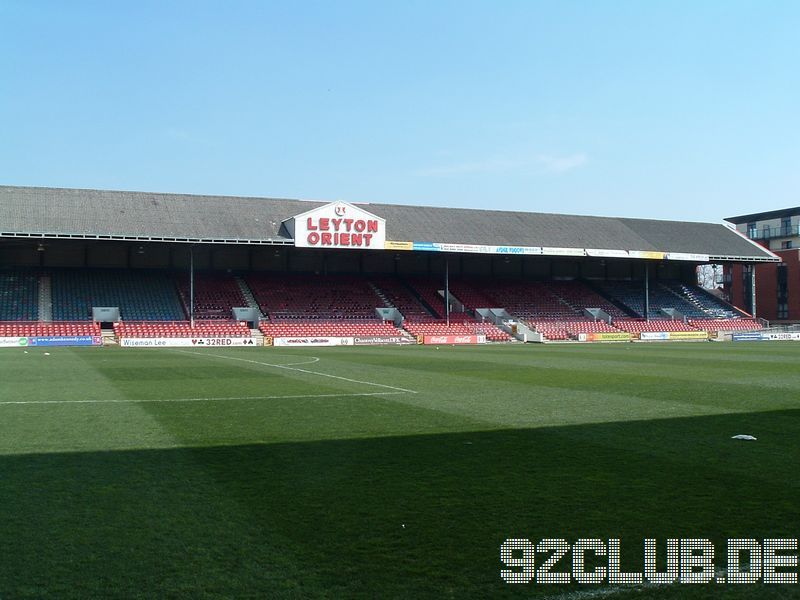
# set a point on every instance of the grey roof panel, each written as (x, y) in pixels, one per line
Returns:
(56, 211)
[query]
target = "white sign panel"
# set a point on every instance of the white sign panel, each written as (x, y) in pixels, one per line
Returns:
(338, 225)
(687, 256)
(216, 342)
(607, 253)
(654, 335)
(563, 251)
(793, 336)
(312, 341)
(483, 249)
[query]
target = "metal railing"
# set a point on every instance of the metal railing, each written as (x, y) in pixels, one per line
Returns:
(768, 233)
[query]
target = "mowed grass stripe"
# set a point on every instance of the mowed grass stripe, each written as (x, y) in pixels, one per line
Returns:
(686, 361)
(308, 372)
(209, 399)
(307, 498)
(340, 506)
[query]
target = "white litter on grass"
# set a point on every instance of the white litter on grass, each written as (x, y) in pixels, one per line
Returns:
(747, 438)
(25, 351)
(47, 354)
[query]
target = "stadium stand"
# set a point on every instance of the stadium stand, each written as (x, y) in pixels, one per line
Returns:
(578, 296)
(530, 301)
(706, 303)
(437, 328)
(329, 328)
(552, 330)
(36, 329)
(726, 324)
(461, 322)
(182, 329)
(585, 326)
(428, 291)
(440, 327)
(631, 294)
(126, 255)
(472, 294)
(653, 325)
(140, 295)
(555, 309)
(398, 295)
(334, 305)
(19, 296)
(564, 329)
(214, 295)
(490, 330)
(324, 297)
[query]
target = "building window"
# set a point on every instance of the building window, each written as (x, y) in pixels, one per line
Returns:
(786, 245)
(786, 226)
(782, 276)
(765, 232)
(752, 231)
(782, 279)
(783, 310)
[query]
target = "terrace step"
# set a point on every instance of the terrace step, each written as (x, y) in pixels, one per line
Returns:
(109, 337)
(45, 299)
(249, 298)
(256, 334)
(378, 292)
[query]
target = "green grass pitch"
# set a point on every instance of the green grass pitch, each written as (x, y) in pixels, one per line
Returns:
(384, 472)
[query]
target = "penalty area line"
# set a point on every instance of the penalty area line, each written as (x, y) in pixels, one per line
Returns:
(211, 399)
(291, 368)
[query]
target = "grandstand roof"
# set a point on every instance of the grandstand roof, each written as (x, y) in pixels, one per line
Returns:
(100, 214)
(765, 216)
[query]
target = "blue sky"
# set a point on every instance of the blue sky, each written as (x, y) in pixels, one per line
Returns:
(670, 110)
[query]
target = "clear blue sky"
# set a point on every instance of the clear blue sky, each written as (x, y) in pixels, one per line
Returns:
(684, 110)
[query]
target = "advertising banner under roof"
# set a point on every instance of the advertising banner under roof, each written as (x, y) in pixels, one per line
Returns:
(338, 225)
(343, 226)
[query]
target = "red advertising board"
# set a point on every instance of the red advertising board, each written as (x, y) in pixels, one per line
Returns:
(454, 339)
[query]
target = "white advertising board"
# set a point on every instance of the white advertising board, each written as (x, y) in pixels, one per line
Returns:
(312, 341)
(199, 342)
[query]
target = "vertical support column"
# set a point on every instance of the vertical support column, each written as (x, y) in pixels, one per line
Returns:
(646, 292)
(447, 289)
(191, 285)
(753, 288)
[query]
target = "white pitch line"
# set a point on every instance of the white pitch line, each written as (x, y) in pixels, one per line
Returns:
(290, 368)
(232, 398)
(314, 359)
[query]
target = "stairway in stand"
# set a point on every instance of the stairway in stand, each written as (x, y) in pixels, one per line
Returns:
(257, 336)
(45, 299)
(248, 295)
(381, 295)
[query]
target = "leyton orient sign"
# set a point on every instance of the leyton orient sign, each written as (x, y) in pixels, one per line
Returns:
(338, 225)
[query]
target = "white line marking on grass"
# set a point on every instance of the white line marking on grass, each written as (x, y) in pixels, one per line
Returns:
(585, 594)
(291, 368)
(135, 401)
(314, 359)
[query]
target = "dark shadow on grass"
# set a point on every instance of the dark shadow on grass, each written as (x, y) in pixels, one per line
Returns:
(326, 519)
